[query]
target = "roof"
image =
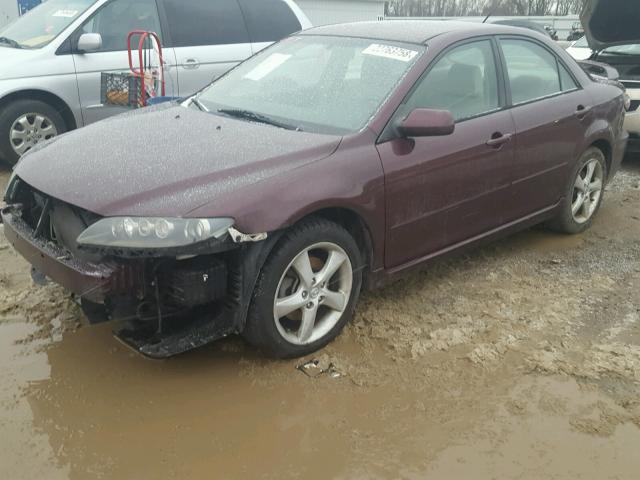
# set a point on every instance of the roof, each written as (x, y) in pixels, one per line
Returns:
(409, 31)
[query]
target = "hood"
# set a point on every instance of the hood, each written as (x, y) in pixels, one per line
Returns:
(611, 22)
(166, 161)
(17, 62)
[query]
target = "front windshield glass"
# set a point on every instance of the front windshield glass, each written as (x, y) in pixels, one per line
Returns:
(581, 42)
(42, 24)
(314, 83)
(633, 49)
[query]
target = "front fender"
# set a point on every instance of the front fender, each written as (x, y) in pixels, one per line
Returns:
(350, 179)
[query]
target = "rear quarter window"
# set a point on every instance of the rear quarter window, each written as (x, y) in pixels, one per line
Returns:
(205, 22)
(269, 20)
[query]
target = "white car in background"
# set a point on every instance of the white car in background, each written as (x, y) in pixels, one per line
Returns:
(611, 31)
(51, 59)
(580, 49)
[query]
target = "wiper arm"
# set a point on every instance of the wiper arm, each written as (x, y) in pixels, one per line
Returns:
(199, 104)
(257, 117)
(10, 42)
(623, 54)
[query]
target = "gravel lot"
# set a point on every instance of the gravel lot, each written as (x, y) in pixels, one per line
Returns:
(518, 361)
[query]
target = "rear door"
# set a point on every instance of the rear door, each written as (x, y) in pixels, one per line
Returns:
(209, 37)
(551, 114)
(268, 21)
(113, 22)
(442, 191)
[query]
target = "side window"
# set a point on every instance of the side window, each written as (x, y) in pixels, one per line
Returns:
(463, 81)
(269, 20)
(567, 82)
(119, 17)
(205, 22)
(532, 70)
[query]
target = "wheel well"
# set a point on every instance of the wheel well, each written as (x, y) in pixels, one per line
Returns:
(46, 97)
(357, 227)
(605, 148)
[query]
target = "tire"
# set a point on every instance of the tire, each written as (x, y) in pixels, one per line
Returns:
(569, 222)
(42, 118)
(329, 298)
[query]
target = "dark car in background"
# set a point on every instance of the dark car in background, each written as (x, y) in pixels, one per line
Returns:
(546, 30)
(612, 31)
(331, 161)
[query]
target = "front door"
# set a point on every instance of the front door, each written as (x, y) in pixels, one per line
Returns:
(113, 22)
(209, 38)
(441, 191)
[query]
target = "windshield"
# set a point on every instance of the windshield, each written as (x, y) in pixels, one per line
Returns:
(313, 83)
(633, 49)
(42, 24)
(581, 43)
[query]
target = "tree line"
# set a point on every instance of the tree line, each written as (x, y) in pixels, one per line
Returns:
(461, 8)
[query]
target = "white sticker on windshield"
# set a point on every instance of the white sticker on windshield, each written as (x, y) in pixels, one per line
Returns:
(65, 13)
(388, 51)
(272, 62)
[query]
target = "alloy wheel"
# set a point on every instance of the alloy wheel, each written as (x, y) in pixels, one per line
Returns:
(587, 191)
(29, 130)
(313, 293)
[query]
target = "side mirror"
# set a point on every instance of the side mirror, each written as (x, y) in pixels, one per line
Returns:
(426, 122)
(89, 42)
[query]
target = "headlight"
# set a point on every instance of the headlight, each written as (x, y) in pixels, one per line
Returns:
(627, 101)
(144, 232)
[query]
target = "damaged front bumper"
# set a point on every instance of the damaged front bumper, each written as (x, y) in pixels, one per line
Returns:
(84, 279)
(163, 305)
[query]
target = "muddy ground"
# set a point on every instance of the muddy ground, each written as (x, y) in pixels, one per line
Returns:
(518, 361)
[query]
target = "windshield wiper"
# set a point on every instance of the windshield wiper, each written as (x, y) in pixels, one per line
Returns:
(199, 104)
(257, 117)
(621, 53)
(10, 42)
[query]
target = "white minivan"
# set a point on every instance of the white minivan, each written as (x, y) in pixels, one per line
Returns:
(52, 58)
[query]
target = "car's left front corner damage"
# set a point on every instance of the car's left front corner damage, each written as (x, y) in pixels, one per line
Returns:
(163, 300)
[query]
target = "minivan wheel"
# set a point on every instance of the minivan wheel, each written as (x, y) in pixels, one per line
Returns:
(306, 291)
(24, 124)
(584, 195)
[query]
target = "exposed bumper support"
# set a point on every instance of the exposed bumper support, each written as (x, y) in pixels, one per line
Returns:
(239, 237)
(196, 333)
(84, 279)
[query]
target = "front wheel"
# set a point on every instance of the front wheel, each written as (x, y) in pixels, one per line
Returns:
(306, 291)
(584, 195)
(24, 124)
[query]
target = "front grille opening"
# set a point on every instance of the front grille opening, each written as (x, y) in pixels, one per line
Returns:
(51, 219)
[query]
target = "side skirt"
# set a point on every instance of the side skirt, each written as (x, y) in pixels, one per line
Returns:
(382, 277)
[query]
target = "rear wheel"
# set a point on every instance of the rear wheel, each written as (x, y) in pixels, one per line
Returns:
(24, 124)
(584, 195)
(306, 291)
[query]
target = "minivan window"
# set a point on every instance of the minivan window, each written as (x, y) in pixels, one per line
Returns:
(44, 23)
(318, 84)
(269, 20)
(464, 81)
(205, 22)
(532, 70)
(119, 17)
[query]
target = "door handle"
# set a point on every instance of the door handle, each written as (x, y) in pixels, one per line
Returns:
(581, 111)
(191, 64)
(498, 139)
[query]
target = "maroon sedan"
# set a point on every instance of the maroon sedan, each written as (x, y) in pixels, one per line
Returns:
(334, 159)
